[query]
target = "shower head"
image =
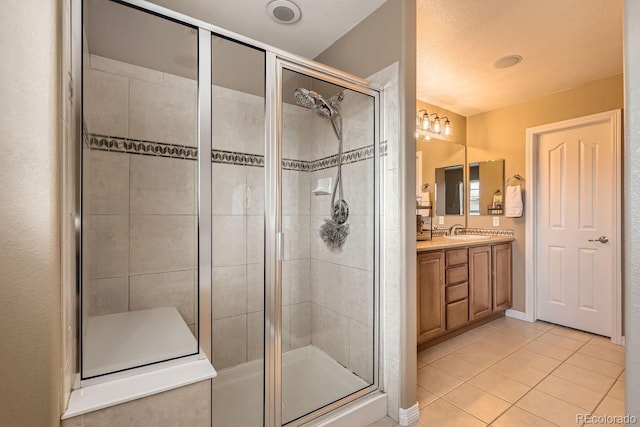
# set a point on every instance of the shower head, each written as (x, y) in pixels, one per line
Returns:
(313, 100)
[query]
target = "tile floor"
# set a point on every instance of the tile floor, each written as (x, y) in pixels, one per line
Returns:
(514, 373)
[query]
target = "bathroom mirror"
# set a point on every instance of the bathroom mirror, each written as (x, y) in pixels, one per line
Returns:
(451, 158)
(486, 187)
(449, 190)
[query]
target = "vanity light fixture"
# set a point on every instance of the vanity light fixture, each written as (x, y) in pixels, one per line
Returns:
(435, 126)
(447, 126)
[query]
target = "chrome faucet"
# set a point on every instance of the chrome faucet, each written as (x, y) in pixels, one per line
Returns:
(453, 230)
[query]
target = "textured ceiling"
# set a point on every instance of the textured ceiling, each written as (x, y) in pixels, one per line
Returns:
(322, 22)
(564, 43)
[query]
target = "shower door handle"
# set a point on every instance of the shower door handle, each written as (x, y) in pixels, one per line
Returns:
(280, 245)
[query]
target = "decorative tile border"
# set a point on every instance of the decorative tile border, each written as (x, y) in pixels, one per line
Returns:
(440, 232)
(147, 148)
(505, 232)
(159, 149)
(236, 158)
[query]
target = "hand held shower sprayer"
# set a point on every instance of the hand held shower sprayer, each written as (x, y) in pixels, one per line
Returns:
(335, 230)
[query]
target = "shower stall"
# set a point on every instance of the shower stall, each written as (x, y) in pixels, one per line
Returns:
(230, 210)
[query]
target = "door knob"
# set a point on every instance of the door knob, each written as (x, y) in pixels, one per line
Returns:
(601, 239)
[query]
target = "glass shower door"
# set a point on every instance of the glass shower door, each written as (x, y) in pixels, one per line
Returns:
(329, 261)
(238, 146)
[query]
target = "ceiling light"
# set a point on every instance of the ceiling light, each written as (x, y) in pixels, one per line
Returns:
(507, 61)
(283, 11)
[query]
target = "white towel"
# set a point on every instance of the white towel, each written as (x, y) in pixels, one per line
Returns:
(513, 201)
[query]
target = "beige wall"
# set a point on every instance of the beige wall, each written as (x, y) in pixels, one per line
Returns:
(386, 37)
(30, 355)
(500, 134)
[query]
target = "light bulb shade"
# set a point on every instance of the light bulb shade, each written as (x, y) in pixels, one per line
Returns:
(447, 127)
(436, 125)
(426, 123)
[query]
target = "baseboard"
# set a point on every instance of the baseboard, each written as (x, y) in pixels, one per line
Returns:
(409, 416)
(520, 315)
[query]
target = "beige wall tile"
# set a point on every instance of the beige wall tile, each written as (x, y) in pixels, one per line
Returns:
(162, 113)
(255, 188)
(361, 242)
(107, 184)
(124, 69)
(330, 332)
(107, 250)
(255, 335)
(162, 243)
(106, 103)
(162, 186)
(229, 291)
(300, 276)
(361, 350)
(187, 406)
(229, 189)
(175, 289)
(300, 324)
(255, 239)
(229, 241)
(359, 289)
(229, 341)
(107, 296)
(361, 188)
(255, 287)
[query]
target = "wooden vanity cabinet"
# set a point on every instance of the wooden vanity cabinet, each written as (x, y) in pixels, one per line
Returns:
(431, 295)
(458, 287)
(480, 301)
(501, 259)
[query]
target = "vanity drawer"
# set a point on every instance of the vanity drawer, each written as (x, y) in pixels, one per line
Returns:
(457, 314)
(457, 292)
(456, 256)
(456, 274)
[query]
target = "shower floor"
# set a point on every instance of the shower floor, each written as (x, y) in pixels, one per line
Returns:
(310, 379)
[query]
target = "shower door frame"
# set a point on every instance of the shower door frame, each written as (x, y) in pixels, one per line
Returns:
(276, 60)
(274, 237)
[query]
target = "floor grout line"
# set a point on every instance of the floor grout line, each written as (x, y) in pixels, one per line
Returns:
(522, 346)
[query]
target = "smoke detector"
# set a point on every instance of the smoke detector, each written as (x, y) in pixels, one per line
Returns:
(283, 11)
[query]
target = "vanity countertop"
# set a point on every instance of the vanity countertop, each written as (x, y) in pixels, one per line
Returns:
(447, 243)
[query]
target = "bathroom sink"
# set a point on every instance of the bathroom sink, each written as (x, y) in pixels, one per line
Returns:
(468, 237)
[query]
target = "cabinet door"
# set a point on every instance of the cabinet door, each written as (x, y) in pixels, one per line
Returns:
(431, 305)
(502, 276)
(480, 282)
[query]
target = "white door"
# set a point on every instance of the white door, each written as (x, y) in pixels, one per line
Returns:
(576, 226)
